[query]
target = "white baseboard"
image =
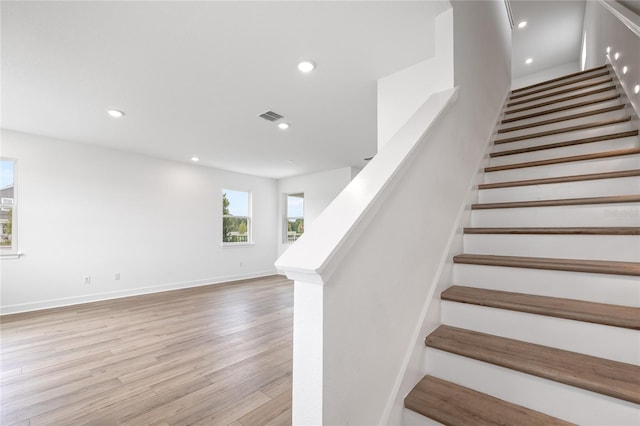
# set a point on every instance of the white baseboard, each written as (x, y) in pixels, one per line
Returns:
(96, 297)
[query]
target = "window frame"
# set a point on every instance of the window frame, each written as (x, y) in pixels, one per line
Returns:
(285, 235)
(249, 218)
(11, 250)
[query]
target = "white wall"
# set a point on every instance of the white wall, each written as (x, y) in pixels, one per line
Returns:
(546, 74)
(84, 210)
(603, 29)
(319, 190)
(378, 256)
(402, 93)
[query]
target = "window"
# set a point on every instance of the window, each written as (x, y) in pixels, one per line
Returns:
(295, 217)
(7, 205)
(236, 216)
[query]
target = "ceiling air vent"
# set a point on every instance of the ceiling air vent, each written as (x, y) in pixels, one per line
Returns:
(271, 116)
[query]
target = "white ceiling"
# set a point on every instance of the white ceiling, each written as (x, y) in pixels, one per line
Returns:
(552, 37)
(192, 76)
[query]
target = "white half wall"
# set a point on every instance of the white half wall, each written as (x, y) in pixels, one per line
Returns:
(90, 211)
(546, 74)
(402, 93)
(319, 190)
(379, 249)
(603, 28)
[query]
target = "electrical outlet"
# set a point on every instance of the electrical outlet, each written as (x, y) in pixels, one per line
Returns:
(86, 279)
(116, 276)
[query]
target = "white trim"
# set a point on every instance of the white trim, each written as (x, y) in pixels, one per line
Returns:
(97, 297)
(624, 15)
(231, 245)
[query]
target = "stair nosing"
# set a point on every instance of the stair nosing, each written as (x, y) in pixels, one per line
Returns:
(557, 101)
(577, 310)
(560, 92)
(542, 361)
(586, 230)
(563, 144)
(561, 179)
(560, 109)
(552, 264)
(558, 85)
(560, 160)
(553, 80)
(563, 130)
(612, 199)
(563, 118)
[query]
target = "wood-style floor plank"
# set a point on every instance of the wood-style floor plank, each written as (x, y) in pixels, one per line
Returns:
(211, 355)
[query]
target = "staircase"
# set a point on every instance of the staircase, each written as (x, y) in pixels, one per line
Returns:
(542, 324)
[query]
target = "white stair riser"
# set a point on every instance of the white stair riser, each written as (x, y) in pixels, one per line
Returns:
(599, 165)
(530, 110)
(566, 151)
(622, 214)
(411, 418)
(559, 114)
(551, 191)
(624, 248)
(601, 288)
(615, 343)
(568, 82)
(562, 137)
(600, 83)
(605, 116)
(556, 399)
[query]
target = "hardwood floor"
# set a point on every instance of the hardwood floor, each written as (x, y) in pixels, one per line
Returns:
(215, 355)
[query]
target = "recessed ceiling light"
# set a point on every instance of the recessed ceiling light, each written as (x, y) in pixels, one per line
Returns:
(608, 49)
(195, 159)
(636, 89)
(625, 69)
(528, 61)
(522, 24)
(283, 126)
(616, 56)
(115, 113)
(306, 66)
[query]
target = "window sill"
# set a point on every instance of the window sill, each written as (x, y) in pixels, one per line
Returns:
(9, 256)
(234, 245)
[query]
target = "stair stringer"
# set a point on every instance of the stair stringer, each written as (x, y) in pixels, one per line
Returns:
(413, 367)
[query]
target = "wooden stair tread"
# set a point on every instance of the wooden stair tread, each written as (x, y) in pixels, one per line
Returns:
(573, 158)
(453, 404)
(554, 264)
(578, 310)
(559, 100)
(563, 144)
(561, 92)
(593, 230)
(561, 179)
(563, 130)
(562, 108)
(612, 378)
(558, 85)
(553, 80)
(564, 118)
(635, 198)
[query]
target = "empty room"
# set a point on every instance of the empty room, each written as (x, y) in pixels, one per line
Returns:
(319, 212)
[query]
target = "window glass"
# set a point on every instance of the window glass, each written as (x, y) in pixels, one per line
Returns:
(236, 216)
(295, 217)
(7, 204)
